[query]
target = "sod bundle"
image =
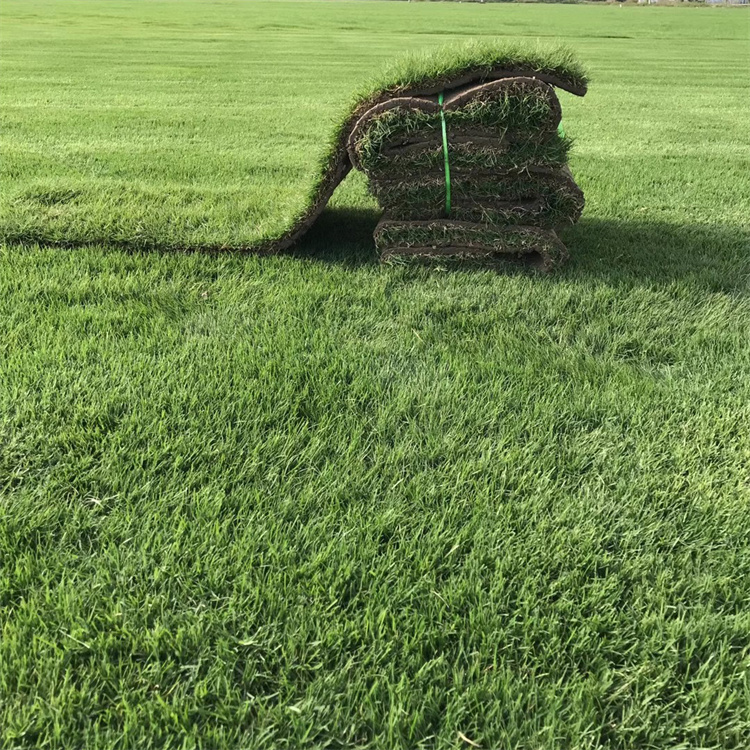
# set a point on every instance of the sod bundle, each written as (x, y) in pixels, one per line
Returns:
(463, 151)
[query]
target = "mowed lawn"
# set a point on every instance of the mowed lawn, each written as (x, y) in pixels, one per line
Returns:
(309, 501)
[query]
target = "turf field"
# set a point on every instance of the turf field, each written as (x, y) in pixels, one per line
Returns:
(307, 501)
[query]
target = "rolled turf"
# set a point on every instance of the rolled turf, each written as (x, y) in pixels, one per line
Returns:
(510, 186)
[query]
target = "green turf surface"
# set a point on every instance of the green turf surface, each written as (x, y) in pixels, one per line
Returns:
(308, 501)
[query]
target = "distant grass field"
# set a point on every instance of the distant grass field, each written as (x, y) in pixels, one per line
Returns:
(307, 501)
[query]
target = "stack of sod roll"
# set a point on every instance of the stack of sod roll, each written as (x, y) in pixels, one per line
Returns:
(464, 151)
(476, 170)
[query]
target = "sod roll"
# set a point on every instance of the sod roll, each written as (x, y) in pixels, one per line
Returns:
(463, 151)
(461, 239)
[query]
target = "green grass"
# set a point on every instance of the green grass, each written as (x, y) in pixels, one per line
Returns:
(308, 501)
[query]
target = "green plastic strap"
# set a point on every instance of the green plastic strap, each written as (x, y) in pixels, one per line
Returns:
(561, 130)
(445, 159)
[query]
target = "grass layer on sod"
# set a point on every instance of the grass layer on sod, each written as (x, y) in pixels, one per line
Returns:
(309, 501)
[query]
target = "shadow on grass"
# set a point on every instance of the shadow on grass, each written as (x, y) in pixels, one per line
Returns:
(711, 256)
(618, 251)
(342, 236)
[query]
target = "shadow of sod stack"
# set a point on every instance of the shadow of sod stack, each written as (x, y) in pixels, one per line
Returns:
(497, 183)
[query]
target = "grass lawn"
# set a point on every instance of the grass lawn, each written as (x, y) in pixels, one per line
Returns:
(307, 501)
